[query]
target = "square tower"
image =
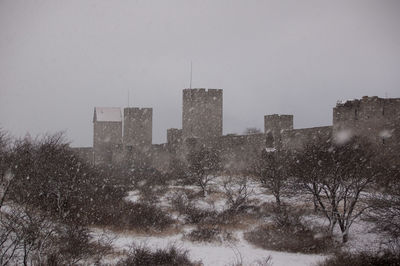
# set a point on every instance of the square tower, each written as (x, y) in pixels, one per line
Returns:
(107, 133)
(202, 113)
(138, 126)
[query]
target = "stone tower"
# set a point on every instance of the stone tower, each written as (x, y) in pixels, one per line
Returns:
(274, 125)
(377, 119)
(107, 133)
(138, 125)
(202, 113)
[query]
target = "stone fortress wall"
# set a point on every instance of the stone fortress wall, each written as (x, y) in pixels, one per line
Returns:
(375, 118)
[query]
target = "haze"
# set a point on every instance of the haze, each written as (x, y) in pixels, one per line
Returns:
(60, 59)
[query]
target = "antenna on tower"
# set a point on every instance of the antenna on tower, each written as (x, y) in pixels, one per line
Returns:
(128, 97)
(190, 74)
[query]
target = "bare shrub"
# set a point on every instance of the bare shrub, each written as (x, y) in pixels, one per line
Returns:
(274, 238)
(205, 234)
(236, 192)
(196, 215)
(29, 237)
(141, 216)
(210, 233)
(285, 216)
(144, 256)
(180, 202)
(289, 233)
(385, 210)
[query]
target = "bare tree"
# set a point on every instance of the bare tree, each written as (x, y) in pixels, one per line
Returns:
(336, 176)
(203, 166)
(385, 210)
(271, 170)
(6, 175)
(24, 234)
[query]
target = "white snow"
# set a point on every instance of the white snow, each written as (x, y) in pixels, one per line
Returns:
(343, 136)
(385, 133)
(214, 253)
(232, 252)
(341, 102)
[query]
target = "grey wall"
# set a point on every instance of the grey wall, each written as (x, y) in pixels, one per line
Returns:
(202, 113)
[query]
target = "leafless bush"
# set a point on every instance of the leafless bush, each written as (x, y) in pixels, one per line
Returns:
(274, 238)
(180, 202)
(236, 192)
(196, 215)
(210, 233)
(144, 256)
(205, 234)
(285, 216)
(385, 213)
(143, 216)
(289, 233)
(29, 237)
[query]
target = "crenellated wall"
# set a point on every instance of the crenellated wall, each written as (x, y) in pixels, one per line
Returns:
(377, 119)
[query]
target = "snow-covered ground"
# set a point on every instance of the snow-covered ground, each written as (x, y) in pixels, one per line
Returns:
(231, 252)
(214, 253)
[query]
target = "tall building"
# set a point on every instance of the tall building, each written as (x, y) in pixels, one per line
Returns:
(202, 113)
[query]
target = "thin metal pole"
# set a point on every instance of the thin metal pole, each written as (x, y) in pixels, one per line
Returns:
(190, 74)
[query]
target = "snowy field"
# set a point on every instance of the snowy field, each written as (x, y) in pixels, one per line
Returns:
(214, 254)
(235, 252)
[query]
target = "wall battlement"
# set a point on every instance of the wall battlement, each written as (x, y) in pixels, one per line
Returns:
(377, 119)
(202, 91)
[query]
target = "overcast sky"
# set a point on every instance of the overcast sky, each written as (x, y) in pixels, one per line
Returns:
(59, 59)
